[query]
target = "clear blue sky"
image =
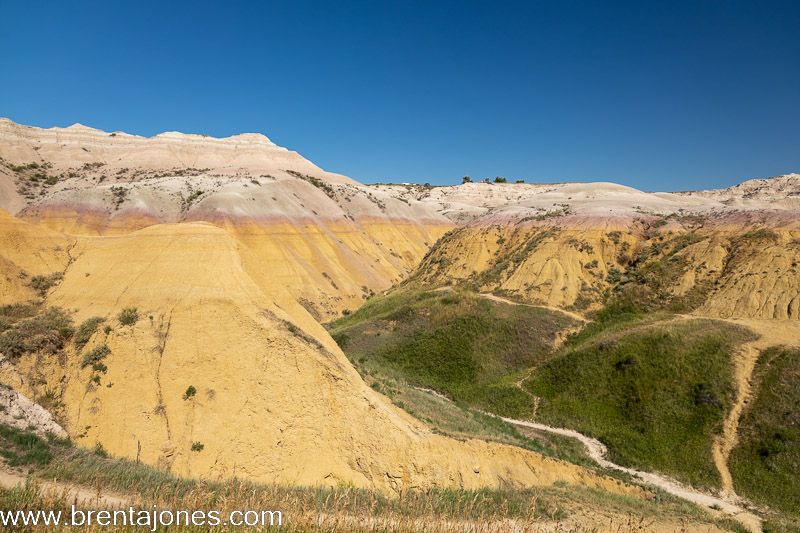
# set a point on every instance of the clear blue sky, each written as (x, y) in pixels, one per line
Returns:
(657, 95)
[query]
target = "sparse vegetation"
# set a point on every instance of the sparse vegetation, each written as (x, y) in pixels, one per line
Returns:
(128, 316)
(190, 392)
(119, 195)
(100, 451)
(324, 186)
(30, 328)
(197, 446)
(85, 331)
(95, 356)
(42, 283)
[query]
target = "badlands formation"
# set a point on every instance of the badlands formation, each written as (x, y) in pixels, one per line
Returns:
(235, 251)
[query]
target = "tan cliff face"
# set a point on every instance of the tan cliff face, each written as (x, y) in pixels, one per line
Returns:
(744, 271)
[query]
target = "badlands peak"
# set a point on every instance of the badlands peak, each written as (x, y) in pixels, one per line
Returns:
(256, 138)
(252, 138)
(68, 149)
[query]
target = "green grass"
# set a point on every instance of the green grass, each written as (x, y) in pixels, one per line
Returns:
(766, 463)
(467, 347)
(471, 349)
(85, 331)
(21, 448)
(459, 421)
(655, 394)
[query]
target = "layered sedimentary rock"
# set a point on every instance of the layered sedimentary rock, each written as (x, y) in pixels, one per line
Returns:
(568, 245)
(328, 239)
(233, 251)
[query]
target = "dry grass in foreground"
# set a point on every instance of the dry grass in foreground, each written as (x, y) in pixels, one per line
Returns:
(557, 508)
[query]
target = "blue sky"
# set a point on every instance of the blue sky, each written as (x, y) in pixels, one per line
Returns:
(656, 95)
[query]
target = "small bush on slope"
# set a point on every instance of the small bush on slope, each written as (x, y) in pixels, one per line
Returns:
(85, 331)
(766, 463)
(128, 316)
(29, 328)
(655, 394)
(457, 343)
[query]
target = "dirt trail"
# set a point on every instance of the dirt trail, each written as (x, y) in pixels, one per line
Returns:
(744, 363)
(771, 333)
(81, 496)
(500, 299)
(597, 451)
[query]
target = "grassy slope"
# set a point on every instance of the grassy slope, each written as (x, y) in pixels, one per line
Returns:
(439, 509)
(457, 343)
(766, 463)
(654, 393)
(389, 341)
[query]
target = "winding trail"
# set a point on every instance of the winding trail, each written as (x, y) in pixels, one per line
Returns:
(771, 332)
(598, 451)
(744, 364)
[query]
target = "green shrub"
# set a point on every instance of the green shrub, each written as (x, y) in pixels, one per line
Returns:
(197, 446)
(46, 332)
(95, 356)
(190, 392)
(85, 331)
(100, 451)
(42, 284)
(128, 316)
(21, 448)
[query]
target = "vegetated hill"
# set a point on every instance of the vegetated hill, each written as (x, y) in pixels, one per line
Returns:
(647, 391)
(455, 342)
(638, 378)
(766, 462)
